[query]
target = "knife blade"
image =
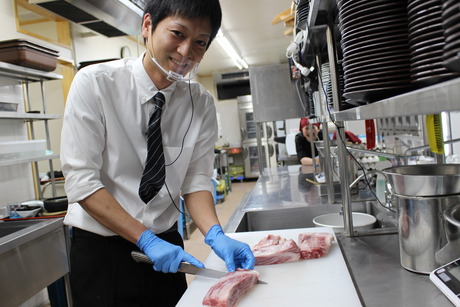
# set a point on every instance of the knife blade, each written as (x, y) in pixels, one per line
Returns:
(186, 267)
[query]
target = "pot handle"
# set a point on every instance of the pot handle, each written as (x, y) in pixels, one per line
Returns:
(449, 215)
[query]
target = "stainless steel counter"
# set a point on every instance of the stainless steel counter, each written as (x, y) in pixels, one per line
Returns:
(33, 254)
(284, 187)
(374, 264)
(373, 261)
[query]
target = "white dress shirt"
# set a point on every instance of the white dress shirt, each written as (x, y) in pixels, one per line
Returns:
(104, 142)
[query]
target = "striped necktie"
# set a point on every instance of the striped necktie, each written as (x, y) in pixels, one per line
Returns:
(154, 174)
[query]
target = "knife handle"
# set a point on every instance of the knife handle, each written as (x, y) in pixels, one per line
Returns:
(141, 257)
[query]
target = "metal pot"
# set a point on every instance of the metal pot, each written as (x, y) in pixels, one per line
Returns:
(422, 232)
(424, 180)
(451, 250)
(424, 193)
(452, 216)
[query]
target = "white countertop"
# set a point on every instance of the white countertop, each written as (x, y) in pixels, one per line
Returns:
(314, 282)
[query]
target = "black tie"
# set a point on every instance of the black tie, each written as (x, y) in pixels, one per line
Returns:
(154, 174)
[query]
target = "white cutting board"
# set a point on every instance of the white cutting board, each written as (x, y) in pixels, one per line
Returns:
(314, 282)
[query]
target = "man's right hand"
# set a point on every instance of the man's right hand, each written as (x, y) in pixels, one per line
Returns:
(166, 257)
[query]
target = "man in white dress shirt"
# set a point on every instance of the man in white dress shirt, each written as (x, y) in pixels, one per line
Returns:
(103, 154)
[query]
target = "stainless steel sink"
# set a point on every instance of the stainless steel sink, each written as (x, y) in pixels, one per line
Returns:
(283, 218)
(7, 228)
(300, 217)
(33, 254)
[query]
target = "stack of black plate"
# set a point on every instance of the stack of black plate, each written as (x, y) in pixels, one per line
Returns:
(451, 25)
(302, 11)
(326, 93)
(327, 83)
(376, 58)
(426, 42)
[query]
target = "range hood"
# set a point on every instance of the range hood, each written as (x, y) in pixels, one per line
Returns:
(107, 17)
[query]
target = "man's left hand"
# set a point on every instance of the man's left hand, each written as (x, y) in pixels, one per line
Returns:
(236, 254)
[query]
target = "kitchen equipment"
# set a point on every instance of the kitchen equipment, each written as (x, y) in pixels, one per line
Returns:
(28, 54)
(423, 194)
(434, 133)
(321, 154)
(424, 180)
(255, 158)
(422, 231)
(361, 221)
(323, 282)
(375, 54)
(28, 211)
(427, 42)
(186, 267)
(56, 204)
(452, 248)
(452, 216)
(447, 279)
(451, 21)
(335, 161)
(370, 133)
(33, 255)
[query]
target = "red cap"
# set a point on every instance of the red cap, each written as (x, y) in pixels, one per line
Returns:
(304, 122)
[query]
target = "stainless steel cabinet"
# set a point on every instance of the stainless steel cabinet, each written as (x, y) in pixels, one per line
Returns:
(250, 136)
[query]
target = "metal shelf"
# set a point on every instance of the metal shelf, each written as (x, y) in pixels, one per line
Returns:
(26, 74)
(27, 158)
(429, 100)
(28, 116)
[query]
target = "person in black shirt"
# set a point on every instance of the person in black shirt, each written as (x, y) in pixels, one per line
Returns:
(303, 142)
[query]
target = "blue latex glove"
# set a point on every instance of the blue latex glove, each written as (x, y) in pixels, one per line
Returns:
(236, 254)
(166, 257)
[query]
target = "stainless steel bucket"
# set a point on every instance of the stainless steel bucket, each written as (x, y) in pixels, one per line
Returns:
(423, 194)
(425, 179)
(422, 232)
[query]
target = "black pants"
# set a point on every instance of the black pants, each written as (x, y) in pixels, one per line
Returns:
(103, 274)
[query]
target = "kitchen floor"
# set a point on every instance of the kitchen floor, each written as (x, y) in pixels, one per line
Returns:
(195, 244)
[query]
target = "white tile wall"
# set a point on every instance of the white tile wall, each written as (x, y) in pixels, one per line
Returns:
(16, 183)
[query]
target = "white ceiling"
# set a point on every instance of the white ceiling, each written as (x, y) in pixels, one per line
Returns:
(248, 23)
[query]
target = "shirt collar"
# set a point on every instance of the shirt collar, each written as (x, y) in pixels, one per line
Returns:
(146, 87)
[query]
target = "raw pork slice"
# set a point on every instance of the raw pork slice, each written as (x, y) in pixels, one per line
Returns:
(314, 245)
(230, 288)
(274, 249)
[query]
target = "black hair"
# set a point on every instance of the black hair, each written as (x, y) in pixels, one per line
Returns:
(193, 9)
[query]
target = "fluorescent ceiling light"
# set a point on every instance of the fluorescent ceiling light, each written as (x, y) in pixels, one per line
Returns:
(229, 48)
(132, 4)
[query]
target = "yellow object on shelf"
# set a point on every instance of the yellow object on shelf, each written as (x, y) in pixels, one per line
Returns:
(221, 186)
(434, 133)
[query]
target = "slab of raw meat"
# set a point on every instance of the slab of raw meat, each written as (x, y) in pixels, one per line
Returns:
(274, 249)
(230, 288)
(314, 245)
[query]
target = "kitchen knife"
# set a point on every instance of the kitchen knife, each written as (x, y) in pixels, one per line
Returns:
(185, 267)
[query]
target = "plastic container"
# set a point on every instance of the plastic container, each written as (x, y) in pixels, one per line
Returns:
(28, 54)
(361, 221)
